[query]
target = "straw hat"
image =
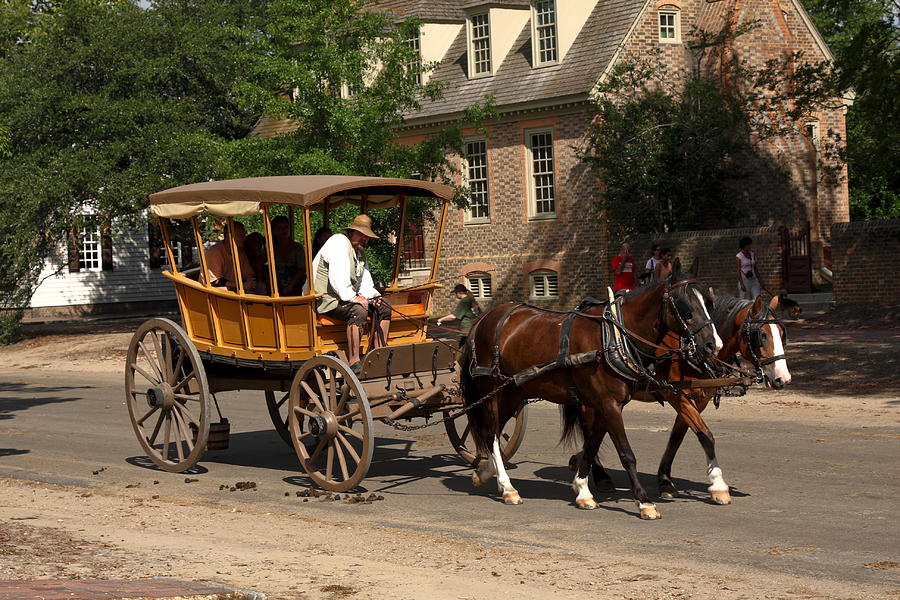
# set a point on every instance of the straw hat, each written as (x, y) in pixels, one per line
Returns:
(362, 224)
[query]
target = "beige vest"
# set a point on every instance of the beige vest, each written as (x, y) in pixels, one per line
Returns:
(330, 299)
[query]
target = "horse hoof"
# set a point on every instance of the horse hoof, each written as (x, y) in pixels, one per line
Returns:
(605, 485)
(721, 497)
(586, 503)
(476, 479)
(667, 491)
(512, 499)
(650, 513)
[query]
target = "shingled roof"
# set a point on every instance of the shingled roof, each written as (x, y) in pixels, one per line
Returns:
(515, 82)
(427, 10)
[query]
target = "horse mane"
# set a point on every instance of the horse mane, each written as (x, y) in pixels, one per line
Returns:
(725, 308)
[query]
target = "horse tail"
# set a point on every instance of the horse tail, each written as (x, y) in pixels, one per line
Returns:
(571, 421)
(482, 418)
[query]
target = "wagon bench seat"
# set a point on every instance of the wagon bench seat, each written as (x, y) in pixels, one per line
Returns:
(411, 310)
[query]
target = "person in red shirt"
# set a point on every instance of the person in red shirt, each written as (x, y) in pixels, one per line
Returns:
(623, 269)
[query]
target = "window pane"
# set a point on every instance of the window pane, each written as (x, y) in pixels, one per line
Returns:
(414, 67)
(90, 247)
(480, 285)
(545, 26)
(542, 173)
(477, 178)
(481, 44)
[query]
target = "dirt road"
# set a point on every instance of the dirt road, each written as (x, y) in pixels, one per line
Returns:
(815, 474)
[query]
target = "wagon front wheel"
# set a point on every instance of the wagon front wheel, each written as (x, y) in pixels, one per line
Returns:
(277, 403)
(167, 395)
(330, 424)
(459, 434)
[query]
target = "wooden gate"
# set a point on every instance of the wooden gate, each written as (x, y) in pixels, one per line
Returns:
(796, 260)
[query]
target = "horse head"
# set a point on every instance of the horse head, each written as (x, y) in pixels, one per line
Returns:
(762, 343)
(687, 313)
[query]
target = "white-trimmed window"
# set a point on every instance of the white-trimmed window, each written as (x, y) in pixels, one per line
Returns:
(90, 256)
(176, 252)
(669, 25)
(544, 284)
(480, 45)
(415, 67)
(476, 171)
(812, 132)
(541, 184)
(479, 284)
(546, 44)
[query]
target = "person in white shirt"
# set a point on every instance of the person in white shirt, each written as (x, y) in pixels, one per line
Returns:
(348, 294)
(749, 285)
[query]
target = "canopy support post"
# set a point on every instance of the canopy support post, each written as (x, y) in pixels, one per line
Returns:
(201, 251)
(164, 230)
(398, 251)
(235, 258)
(270, 250)
(440, 239)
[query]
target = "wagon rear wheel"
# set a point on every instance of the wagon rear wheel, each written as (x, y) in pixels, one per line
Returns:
(330, 424)
(460, 436)
(167, 395)
(277, 403)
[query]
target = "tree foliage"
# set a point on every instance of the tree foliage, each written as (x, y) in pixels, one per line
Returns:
(865, 38)
(103, 102)
(669, 151)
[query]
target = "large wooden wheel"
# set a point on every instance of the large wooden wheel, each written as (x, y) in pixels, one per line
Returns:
(330, 424)
(278, 412)
(510, 439)
(167, 395)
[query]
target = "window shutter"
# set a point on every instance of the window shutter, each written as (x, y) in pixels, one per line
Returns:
(155, 243)
(73, 244)
(106, 255)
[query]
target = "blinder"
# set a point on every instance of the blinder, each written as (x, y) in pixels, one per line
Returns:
(682, 309)
(755, 337)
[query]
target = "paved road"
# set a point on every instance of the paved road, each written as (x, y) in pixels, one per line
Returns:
(811, 497)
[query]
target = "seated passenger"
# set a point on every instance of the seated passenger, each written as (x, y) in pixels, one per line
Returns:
(220, 265)
(255, 247)
(290, 261)
(342, 276)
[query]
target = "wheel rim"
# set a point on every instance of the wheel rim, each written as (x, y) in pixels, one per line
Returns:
(167, 395)
(511, 437)
(279, 406)
(330, 424)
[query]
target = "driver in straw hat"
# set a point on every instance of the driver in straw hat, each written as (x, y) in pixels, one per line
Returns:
(342, 276)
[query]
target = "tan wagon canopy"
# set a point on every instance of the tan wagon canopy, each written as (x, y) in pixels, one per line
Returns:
(242, 197)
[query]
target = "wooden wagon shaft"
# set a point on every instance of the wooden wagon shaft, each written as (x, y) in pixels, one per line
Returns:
(416, 402)
(693, 384)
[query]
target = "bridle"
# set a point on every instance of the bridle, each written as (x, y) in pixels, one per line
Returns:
(752, 328)
(688, 344)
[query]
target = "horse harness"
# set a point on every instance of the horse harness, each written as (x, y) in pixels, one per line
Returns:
(755, 334)
(618, 347)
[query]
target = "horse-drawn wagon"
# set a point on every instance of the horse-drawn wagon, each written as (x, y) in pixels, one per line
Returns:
(236, 340)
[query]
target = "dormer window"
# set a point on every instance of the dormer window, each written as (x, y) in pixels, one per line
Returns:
(480, 45)
(546, 45)
(669, 24)
(415, 67)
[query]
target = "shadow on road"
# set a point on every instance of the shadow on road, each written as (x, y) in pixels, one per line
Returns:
(11, 404)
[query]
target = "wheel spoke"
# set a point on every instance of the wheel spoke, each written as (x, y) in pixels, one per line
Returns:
(348, 446)
(177, 441)
(184, 411)
(163, 345)
(350, 431)
(144, 373)
(178, 364)
(342, 462)
(329, 462)
(184, 381)
(184, 429)
(349, 415)
(159, 421)
(166, 437)
(312, 395)
(345, 395)
(316, 451)
(302, 411)
(150, 360)
(465, 435)
(144, 418)
(332, 392)
(323, 389)
(505, 436)
(282, 401)
(189, 397)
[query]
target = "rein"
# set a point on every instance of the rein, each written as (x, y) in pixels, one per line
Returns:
(754, 337)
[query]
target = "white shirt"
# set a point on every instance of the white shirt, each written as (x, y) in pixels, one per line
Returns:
(336, 254)
(651, 264)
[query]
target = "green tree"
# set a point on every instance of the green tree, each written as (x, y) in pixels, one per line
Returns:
(670, 152)
(865, 38)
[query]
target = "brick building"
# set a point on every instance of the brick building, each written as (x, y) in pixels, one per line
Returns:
(533, 231)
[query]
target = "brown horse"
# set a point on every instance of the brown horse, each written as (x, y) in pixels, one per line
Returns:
(749, 329)
(512, 338)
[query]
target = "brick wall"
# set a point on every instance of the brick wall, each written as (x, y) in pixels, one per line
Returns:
(864, 254)
(716, 250)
